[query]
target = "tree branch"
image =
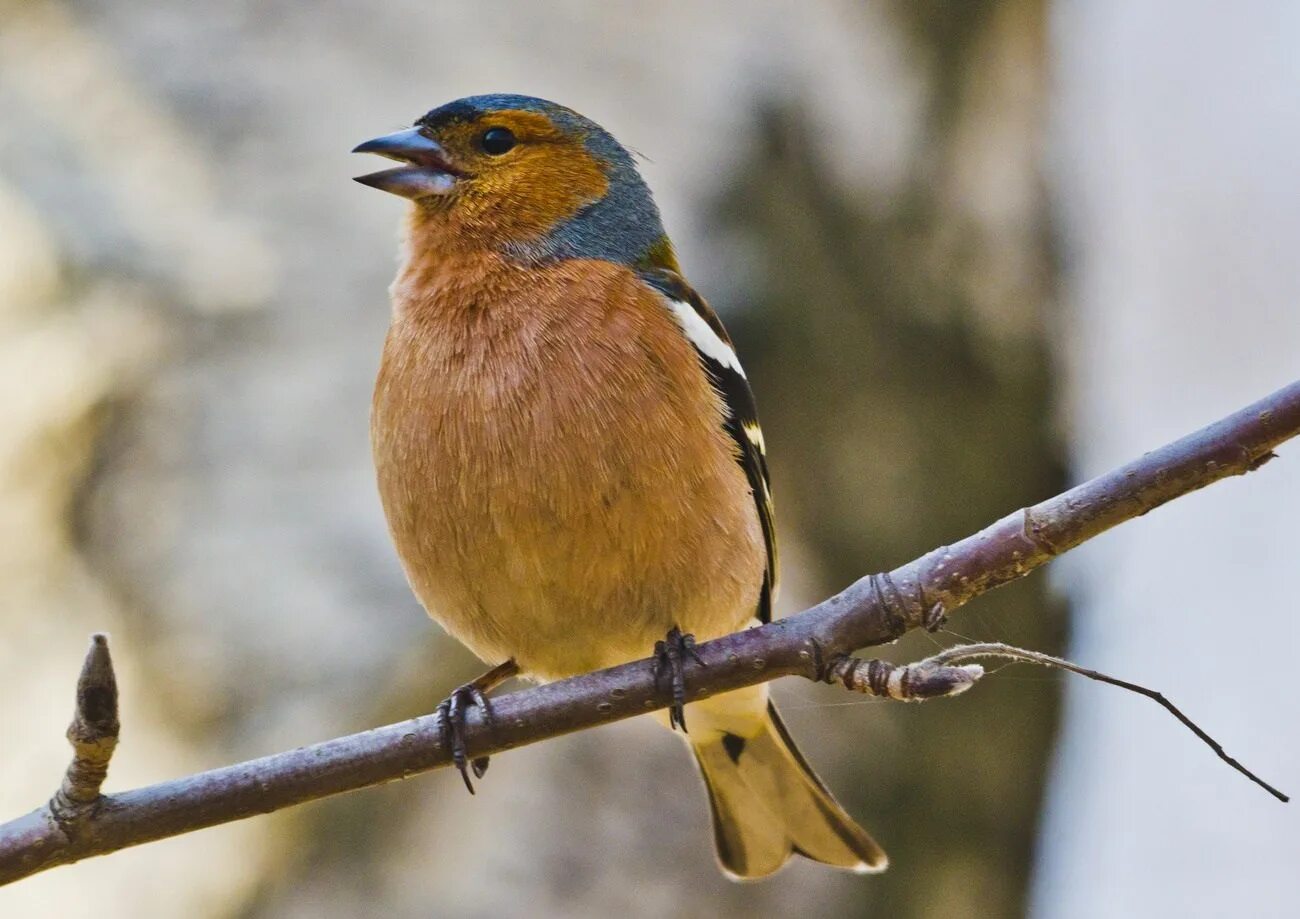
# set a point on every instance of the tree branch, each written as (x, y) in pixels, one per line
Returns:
(875, 610)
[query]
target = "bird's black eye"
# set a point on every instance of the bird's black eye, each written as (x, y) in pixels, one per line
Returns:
(496, 141)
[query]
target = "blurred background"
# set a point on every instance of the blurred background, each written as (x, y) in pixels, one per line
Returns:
(971, 252)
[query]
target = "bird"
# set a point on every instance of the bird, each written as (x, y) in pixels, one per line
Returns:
(568, 452)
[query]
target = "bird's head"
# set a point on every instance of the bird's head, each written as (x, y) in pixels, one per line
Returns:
(529, 178)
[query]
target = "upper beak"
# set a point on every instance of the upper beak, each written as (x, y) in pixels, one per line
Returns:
(429, 171)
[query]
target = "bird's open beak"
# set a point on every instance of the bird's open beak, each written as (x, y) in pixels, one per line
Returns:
(428, 170)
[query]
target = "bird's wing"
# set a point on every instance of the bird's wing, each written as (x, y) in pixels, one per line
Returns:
(706, 332)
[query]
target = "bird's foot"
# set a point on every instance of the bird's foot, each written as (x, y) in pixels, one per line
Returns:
(451, 717)
(451, 728)
(670, 659)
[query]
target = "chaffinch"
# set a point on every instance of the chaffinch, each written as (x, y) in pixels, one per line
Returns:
(568, 452)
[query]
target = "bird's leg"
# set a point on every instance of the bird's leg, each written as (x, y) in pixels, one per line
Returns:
(452, 711)
(670, 658)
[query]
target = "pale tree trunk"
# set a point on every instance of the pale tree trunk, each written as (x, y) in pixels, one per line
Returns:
(1176, 150)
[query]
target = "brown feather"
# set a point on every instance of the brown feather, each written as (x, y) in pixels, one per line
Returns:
(566, 477)
(553, 464)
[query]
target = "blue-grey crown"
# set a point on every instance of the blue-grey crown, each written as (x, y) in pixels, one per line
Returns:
(623, 226)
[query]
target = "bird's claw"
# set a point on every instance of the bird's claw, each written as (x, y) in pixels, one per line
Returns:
(670, 658)
(451, 729)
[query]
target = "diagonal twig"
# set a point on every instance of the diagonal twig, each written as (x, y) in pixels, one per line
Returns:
(997, 649)
(877, 609)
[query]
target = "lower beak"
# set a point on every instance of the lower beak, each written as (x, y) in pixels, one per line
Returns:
(428, 171)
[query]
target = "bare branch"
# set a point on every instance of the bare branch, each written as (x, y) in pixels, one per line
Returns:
(876, 609)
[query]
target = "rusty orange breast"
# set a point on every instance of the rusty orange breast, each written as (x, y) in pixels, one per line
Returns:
(554, 466)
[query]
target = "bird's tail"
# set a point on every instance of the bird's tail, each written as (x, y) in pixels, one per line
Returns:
(767, 803)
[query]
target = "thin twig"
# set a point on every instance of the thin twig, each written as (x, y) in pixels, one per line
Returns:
(1010, 652)
(875, 610)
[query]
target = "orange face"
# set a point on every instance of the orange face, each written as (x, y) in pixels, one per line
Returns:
(509, 174)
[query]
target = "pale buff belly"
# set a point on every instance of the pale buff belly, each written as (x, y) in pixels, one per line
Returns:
(567, 527)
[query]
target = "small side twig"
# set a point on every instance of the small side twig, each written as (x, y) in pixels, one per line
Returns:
(1010, 652)
(93, 735)
(916, 682)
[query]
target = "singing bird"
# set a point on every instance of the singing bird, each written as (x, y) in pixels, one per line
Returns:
(568, 452)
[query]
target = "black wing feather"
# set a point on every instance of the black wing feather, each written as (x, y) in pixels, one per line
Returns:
(741, 422)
